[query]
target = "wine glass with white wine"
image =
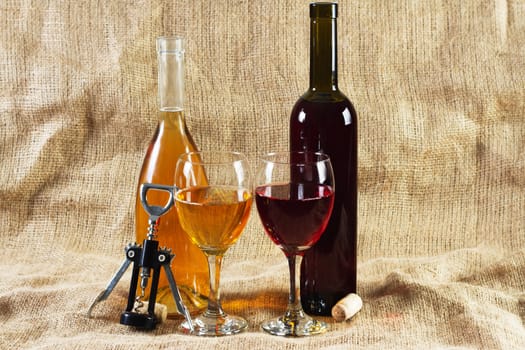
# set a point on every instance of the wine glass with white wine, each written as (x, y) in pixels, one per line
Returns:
(213, 202)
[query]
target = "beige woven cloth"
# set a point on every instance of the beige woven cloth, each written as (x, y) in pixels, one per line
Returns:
(439, 87)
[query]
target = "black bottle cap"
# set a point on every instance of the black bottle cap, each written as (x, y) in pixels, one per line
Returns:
(323, 10)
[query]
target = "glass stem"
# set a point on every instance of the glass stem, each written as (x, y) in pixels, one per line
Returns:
(214, 301)
(294, 309)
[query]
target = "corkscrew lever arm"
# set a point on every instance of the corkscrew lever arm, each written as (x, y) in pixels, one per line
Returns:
(176, 295)
(111, 285)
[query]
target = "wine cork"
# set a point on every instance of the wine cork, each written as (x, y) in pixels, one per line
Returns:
(347, 307)
(161, 311)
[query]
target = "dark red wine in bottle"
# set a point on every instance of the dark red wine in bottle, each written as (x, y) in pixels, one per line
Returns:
(323, 119)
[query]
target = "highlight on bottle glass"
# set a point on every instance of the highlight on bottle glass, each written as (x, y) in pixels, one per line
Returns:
(213, 203)
(294, 196)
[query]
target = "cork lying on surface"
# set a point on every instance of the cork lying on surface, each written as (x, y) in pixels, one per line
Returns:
(347, 307)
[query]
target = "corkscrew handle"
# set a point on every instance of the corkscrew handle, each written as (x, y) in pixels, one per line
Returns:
(155, 211)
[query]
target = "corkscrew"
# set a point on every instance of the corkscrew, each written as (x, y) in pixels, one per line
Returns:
(147, 261)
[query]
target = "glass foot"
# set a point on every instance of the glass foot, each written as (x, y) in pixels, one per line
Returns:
(296, 327)
(215, 326)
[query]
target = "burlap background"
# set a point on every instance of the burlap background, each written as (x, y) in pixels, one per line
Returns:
(439, 87)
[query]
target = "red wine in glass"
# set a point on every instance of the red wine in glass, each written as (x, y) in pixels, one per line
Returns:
(294, 215)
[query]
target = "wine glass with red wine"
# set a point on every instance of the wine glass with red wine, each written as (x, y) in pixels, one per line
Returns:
(294, 198)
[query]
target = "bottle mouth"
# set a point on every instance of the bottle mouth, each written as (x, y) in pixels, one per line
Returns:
(170, 45)
(323, 10)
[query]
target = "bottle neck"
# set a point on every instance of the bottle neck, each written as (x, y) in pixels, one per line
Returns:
(170, 55)
(323, 54)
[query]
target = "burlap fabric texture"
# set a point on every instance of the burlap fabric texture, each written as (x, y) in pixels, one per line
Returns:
(439, 87)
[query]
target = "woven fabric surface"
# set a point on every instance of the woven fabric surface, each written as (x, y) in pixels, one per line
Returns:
(439, 88)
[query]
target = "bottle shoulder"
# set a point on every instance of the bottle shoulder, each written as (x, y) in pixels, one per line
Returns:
(322, 107)
(170, 140)
(335, 96)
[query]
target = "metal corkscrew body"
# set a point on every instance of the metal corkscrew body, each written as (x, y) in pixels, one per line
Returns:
(147, 261)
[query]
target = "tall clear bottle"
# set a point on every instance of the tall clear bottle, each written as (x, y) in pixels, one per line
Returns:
(323, 119)
(171, 139)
